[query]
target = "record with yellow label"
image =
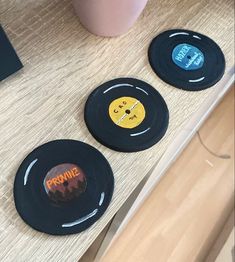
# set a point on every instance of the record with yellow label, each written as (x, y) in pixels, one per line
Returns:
(126, 115)
(63, 187)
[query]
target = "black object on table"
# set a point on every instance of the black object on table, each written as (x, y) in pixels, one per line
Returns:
(9, 61)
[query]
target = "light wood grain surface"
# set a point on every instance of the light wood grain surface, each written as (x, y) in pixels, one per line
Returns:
(227, 252)
(45, 101)
(222, 238)
(184, 215)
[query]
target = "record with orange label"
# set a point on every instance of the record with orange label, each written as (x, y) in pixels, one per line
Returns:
(126, 115)
(63, 187)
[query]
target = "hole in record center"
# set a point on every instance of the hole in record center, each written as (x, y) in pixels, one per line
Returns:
(128, 111)
(65, 183)
(189, 57)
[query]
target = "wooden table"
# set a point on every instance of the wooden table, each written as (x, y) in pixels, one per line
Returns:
(45, 101)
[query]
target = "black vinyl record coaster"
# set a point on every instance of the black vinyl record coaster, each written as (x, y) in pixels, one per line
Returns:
(63, 187)
(186, 59)
(126, 115)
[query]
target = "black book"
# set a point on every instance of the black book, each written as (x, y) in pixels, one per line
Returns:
(9, 61)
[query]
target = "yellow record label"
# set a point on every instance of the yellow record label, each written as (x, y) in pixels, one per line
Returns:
(127, 112)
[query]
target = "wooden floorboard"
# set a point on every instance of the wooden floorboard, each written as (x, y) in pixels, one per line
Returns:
(185, 213)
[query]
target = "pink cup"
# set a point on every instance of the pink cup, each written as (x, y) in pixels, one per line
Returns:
(108, 17)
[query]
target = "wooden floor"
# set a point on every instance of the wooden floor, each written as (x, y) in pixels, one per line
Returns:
(185, 213)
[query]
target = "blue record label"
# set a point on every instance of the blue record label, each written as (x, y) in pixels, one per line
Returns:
(187, 57)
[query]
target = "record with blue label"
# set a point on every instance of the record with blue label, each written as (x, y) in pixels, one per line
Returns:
(127, 115)
(186, 59)
(63, 187)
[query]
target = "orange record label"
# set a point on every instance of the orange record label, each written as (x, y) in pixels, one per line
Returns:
(65, 182)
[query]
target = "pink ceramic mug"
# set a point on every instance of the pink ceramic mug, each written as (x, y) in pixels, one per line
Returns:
(108, 17)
